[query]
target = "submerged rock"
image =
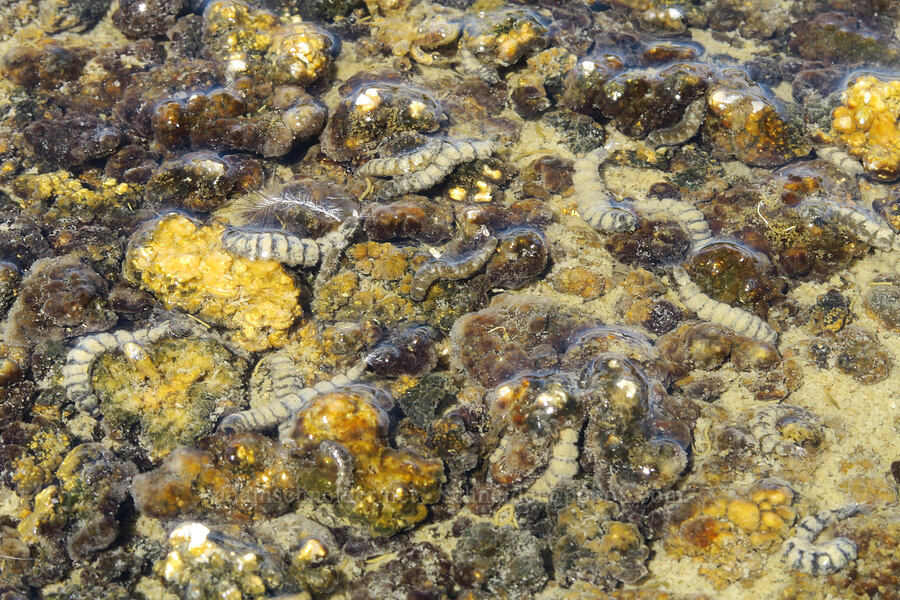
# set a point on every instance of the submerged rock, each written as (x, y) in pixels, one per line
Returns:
(72, 140)
(500, 561)
(744, 122)
(60, 297)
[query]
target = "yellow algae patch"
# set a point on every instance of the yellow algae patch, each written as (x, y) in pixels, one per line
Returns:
(70, 195)
(185, 266)
(171, 389)
(866, 123)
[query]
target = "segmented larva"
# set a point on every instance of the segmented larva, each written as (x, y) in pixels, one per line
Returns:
(450, 154)
(288, 248)
(331, 254)
(563, 463)
(407, 162)
(686, 128)
(470, 65)
(593, 199)
(691, 220)
(289, 395)
(452, 269)
(764, 427)
(76, 374)
(739, 320)
(840, 158)
(343, 462)
(802, 554)
(861, 225)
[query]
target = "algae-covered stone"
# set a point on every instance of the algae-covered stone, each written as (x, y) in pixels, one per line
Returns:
(247, 40)
(60, 297)
(744, 122)
(501, 561)
(91, 483)
(344, 433)
(206, 564)
(171, 391)
(184, 265)
(236, 477)
(588, 542)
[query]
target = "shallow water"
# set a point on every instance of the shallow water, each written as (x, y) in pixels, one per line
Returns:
(394, 299)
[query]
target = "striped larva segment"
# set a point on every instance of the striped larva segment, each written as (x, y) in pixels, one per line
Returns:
(452, 269)
(470, 65)
(76, 373)
(289, 395)
(686, 128)
(563, 463)
(868, 230)
(401, 164)
(288, 248)
(739, 320)
(593, 199)
(691, 220)
(801, 553)
(450, 154)
(842, 159)
(284, 247)
(860, 225)
(765, 428)
(332, 248)
(343, 463)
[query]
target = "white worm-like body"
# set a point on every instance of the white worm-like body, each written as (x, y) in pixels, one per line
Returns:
(343, 462)
(742, 322)
(686, 128)
(450, 154)
(76, 374)
(764, 427)
(288, 248)
(289, 395)
(453, 269)
(470, 65)
(802, 554)
(284, 247)
(593, 199)
(400, 164)
(842, 159)
(691, 220)
(861, 225)
(563, 463)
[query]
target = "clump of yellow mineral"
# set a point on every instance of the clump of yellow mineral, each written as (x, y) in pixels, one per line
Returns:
(731, 536)
(866, 123)
(185, 266)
